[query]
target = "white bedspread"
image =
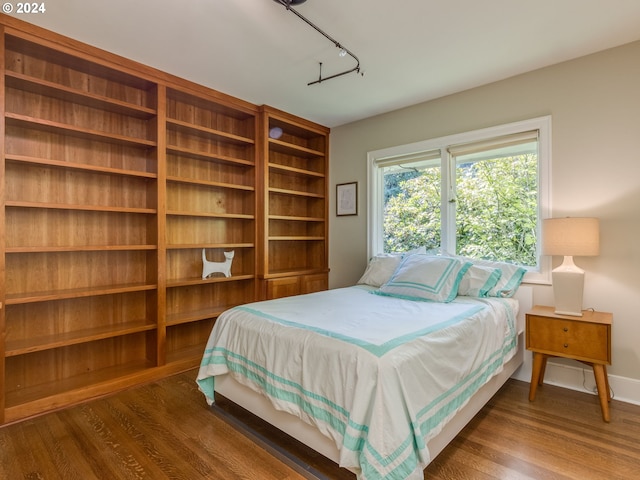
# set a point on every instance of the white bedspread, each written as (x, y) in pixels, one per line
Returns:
(378, 375)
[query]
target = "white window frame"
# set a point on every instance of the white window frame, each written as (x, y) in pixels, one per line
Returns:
(375, 161)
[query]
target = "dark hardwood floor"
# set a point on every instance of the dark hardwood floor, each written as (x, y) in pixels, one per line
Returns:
(165, 430)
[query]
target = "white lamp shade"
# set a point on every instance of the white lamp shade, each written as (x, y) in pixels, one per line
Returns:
(575, 236)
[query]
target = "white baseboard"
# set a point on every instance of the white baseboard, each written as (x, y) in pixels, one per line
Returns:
(582, 380)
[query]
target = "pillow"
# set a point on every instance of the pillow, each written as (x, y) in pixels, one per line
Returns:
(478, 281)
(426, 278)
(381, 267)
(508, 282)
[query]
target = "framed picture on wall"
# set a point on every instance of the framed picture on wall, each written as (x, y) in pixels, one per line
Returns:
(347, 199)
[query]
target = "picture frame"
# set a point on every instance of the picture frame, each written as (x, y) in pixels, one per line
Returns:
(347, 199)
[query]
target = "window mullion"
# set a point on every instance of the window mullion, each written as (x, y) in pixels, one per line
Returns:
(448, 205)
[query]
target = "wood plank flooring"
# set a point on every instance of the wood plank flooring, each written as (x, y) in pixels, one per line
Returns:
(165, 430)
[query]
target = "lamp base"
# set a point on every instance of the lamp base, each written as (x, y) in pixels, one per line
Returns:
(568, 286)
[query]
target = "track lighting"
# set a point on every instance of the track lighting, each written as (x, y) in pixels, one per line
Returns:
(343, 52)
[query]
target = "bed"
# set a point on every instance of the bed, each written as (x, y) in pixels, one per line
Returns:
(378, 377)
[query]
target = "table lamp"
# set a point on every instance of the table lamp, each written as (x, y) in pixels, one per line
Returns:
(569, 237)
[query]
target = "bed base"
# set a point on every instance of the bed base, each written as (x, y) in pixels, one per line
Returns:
(308, 435)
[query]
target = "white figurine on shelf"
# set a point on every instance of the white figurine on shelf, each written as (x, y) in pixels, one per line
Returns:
(209, 268)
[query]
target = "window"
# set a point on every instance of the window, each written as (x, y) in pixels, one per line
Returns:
(480, 194)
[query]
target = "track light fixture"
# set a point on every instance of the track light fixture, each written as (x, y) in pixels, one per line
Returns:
(342, 51)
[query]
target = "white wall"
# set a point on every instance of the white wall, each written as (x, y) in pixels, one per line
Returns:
(595, 106)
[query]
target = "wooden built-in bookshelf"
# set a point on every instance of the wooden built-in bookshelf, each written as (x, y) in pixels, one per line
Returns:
(115, 177)
(295, 224)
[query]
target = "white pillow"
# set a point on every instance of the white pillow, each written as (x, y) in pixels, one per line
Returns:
(380, 269)
(426, 277)
(478, 281)
(508, 282)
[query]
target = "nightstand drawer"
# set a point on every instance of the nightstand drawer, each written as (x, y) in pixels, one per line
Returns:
(568, 338)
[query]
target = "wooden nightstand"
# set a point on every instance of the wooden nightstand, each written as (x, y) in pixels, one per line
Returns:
(586, 339)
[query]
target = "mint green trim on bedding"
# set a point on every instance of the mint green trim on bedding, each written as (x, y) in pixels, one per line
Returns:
(377, 350)
(267, 381)
(482, 375)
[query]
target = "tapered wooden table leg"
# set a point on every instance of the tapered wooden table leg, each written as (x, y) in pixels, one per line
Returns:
(537, 373)
(602, 384)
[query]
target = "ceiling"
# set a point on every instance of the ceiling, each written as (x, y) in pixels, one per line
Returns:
(410, 50)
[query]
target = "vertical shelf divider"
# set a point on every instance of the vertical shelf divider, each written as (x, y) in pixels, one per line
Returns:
(161, 232)
(3, 328)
